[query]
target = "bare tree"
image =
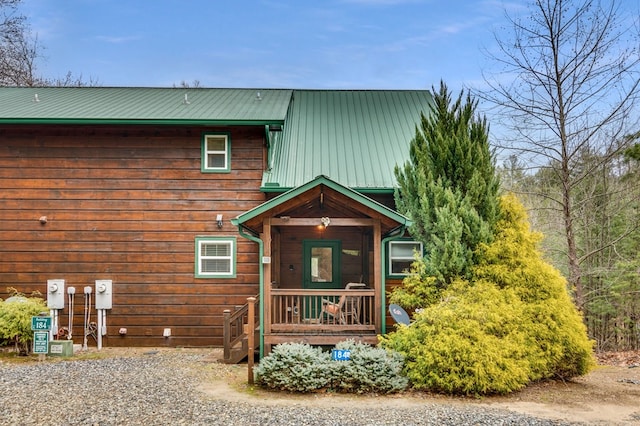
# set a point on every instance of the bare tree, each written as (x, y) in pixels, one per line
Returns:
(567, 86)
(195, 84)
(20, 51)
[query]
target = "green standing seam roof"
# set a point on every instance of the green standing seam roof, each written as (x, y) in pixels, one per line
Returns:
(354, 137)
(136, 105)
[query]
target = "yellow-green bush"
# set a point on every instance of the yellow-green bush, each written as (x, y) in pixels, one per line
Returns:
(418, 288)
(513, 323)
(470, 343)
(555, 327)
(15, 320)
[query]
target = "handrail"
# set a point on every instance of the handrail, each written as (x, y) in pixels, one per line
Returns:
(234, 330)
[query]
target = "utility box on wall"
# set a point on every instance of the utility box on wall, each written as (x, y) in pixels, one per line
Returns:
(103, 294)
(55, 294)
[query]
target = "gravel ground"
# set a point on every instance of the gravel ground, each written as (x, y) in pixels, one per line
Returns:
(162, 388)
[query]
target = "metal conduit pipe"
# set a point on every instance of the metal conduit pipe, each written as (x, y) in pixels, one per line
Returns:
(87, 315)
(71, 293)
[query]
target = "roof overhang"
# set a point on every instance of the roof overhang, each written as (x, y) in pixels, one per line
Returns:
(275, 189)
(124, 122)
(143, 106)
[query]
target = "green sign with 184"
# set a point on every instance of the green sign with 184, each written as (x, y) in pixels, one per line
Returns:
(41, 323)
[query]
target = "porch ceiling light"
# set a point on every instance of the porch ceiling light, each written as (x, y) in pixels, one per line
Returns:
(325, 221)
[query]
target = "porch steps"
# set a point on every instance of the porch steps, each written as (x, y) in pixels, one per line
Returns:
(236, 331)
(240, 351)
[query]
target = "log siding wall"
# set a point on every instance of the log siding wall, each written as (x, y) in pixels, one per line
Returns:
(126, 204)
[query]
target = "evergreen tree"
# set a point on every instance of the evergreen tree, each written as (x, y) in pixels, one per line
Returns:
(513, 322)
(449, 187)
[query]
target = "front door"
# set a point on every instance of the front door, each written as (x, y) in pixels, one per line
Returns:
(321, 270)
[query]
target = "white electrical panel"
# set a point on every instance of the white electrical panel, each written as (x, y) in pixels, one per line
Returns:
(55, 294)
(103, 294)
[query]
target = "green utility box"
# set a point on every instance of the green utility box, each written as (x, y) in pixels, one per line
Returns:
(61, 348)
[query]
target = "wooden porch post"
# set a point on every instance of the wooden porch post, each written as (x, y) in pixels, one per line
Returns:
(251, 334)
(377, 274)
(266, 303)
(226, 333)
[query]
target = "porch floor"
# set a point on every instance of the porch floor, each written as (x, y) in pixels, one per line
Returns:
(328, 338)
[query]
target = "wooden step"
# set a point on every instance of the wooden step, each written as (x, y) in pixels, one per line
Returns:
(240, 351)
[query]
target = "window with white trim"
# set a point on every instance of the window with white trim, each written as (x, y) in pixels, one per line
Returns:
(401, 256)
(216, 153)
(215, 257)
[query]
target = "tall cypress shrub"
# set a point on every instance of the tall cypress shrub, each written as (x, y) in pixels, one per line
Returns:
(449, 188)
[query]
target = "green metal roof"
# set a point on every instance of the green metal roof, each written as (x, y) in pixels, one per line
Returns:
(122, 105)
(354, 137)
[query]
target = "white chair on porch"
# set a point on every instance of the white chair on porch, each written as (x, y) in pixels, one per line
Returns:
(346, 310)
(352, 304)
(333, 311)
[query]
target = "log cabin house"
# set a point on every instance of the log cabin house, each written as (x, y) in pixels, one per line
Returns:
(192, 200)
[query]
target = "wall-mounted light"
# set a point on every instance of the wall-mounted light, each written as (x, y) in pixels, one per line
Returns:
(219, 221)
(325, 221)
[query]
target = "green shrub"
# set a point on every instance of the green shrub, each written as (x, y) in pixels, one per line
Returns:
(294, 367)
(15, 320)
(299, 367)
(370, 370)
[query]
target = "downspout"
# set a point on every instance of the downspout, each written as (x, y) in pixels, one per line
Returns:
(385, 241)
(261, 274)
(269, 144)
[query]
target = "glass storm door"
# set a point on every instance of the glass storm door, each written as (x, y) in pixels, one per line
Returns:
(321, 270)
(321, 264)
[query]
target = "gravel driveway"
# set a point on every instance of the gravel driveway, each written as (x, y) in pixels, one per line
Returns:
(164, 388)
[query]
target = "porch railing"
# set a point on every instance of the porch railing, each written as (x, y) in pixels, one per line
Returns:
(321, 311)
(235, 331)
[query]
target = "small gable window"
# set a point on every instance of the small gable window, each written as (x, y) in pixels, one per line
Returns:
(216, 153)
(215, 257)
(401, 254)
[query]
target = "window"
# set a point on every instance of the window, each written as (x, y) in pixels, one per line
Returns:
(401, 256)
(216, 153)
(215, 257)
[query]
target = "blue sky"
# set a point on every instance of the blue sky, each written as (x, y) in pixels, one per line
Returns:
(324, 44)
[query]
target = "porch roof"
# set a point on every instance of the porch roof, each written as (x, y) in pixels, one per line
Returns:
(337, 200)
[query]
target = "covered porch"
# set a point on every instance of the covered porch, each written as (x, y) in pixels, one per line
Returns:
(322, 250)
